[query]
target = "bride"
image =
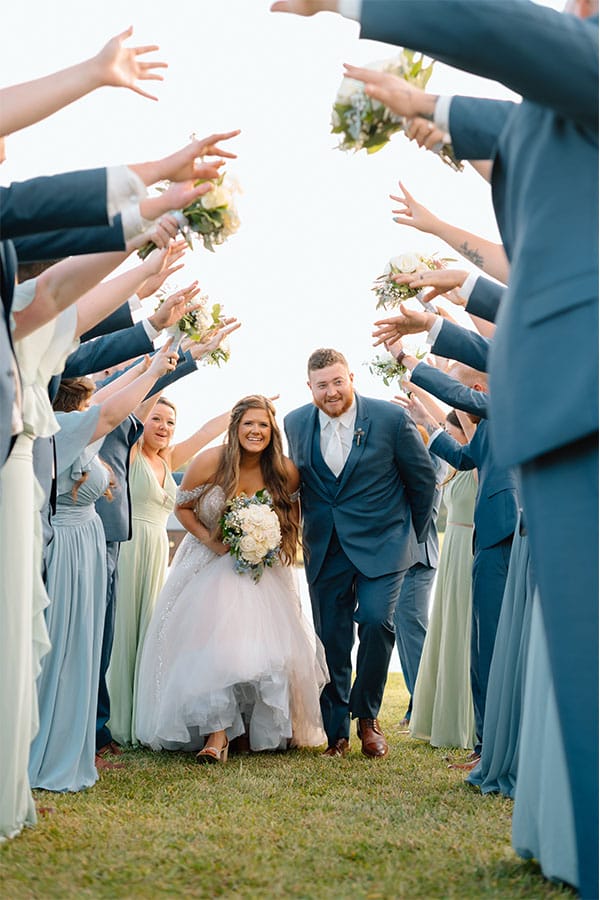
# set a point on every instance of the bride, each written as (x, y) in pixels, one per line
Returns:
(226, 656)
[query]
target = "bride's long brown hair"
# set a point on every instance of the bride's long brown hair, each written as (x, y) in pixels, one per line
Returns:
(272, 467)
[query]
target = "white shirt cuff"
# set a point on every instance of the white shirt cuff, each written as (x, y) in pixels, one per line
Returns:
(134, 303)
(433, 436)
(441, 114)
(123, 186)
(432, 334)
(351, 9)
(150, 330)
(466, 289)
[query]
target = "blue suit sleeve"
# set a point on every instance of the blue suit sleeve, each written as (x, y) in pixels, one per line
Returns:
(185, 366)
(485, 299)
(458, 455)
(476, 124)
(515, 42)
(69, 200)
(71, 242)
(108, 350)
(418, 474)
(456, 342)
(121, 318)
(450, 391)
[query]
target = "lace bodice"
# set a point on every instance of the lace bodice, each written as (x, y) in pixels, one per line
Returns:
(209, 505)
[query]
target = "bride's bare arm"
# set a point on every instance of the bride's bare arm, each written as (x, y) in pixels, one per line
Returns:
(199, 473)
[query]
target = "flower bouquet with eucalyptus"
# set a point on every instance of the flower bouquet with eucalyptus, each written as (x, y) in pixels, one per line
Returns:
(365, 123)
(389, 369)
(199, 325)
(212, 217)
(250, 526)
(390, 294)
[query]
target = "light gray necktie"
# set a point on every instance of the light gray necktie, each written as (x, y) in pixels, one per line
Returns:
(334, 454)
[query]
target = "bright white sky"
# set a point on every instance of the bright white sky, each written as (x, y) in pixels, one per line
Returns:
(316, 223)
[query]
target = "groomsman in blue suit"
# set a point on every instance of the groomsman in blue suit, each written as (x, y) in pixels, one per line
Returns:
(545, 193)
(367, 487)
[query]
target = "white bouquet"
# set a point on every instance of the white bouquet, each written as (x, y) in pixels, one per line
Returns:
(198, 325)
(250, 526)
(212, 216)
(367, 124)
(390, 294)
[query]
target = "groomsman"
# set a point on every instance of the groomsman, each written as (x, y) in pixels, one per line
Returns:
(367, 488)
(546, 427)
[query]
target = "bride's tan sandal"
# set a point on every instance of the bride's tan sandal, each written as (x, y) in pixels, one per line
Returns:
(213, 754)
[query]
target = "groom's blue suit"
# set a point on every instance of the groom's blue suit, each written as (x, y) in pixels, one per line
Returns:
(544, 185)
(360, 533)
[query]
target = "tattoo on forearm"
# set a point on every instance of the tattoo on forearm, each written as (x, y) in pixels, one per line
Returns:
(471, 254)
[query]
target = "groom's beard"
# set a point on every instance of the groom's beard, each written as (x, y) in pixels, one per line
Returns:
(336, 408)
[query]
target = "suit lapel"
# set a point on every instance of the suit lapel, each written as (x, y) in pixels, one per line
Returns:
(361, 432)
(305, 443)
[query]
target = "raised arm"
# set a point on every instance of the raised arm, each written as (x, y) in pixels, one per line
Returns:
(486, 255)
(115, 65)
(183, 451)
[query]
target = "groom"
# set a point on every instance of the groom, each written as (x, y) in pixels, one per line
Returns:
(367, 488)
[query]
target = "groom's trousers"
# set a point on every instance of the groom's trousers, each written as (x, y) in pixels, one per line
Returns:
(342, 596)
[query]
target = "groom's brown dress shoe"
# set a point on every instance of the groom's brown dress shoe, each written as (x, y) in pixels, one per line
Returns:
(110, 749)
(373, 739)
(339, 748)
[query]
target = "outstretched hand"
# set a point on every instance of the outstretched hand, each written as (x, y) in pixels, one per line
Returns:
(304, 7)
(412, 213)
(387, 331)
(120, 66)
(164, 360)
(174, 253)
(441, 280)
(198, 349)
(175, 306)
(426, 134)
(402, 98)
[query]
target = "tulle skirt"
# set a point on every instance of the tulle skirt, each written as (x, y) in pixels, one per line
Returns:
(225, 653)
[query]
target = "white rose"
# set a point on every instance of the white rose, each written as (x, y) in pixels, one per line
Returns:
(422, 267)
(405, 263)
(217, 196)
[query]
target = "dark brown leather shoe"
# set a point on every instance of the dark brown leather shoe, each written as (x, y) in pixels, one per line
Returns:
(340, 748)
(103, 765)
(373, 739)
(110, 749)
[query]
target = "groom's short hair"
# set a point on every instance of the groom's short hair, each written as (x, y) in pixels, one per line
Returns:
(325, 356)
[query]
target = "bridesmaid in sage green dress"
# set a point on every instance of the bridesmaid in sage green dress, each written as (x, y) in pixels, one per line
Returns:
(143, 560)
(442, 701)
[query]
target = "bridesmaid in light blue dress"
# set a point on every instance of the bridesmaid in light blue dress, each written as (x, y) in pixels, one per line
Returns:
(497, 769)
(62, 755)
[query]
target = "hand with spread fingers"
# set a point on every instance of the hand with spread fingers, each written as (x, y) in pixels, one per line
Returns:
(440, 280)
(402, 98)
(175, 306)
(412, 321)
(175, 252)
(198, 349)
(119, 66)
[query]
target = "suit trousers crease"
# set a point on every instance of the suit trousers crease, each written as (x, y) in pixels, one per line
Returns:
(342, 596)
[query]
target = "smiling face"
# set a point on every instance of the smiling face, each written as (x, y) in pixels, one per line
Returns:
(254, 430)
(159, 427)
(332, 388)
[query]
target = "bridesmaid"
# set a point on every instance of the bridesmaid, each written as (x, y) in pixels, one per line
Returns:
(443, 706)
(63, 752)
(143, 560)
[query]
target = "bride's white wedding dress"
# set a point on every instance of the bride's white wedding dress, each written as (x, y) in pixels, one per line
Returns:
(225, 653)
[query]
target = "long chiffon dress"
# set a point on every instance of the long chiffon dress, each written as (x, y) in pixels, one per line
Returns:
(63, 753)
(442, 702)
(23, 598)
(142, 571)
(225, 653)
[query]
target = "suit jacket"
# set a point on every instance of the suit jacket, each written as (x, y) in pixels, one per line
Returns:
(428, 551)
(450, 391)
(456, 342)
(69, 200)
(485, 299)
(548, 222)
(119, 319)
(386, 487)
(53, 245)
(496, 505)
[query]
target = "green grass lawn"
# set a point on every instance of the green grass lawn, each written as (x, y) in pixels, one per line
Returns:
(276, 825)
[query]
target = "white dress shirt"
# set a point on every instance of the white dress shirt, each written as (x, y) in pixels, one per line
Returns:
(346, 431)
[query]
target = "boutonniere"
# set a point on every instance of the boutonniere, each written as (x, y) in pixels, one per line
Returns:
(358, 436)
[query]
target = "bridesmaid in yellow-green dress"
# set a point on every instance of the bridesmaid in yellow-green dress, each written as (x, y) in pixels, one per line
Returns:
(442, 701)
(143, 560)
